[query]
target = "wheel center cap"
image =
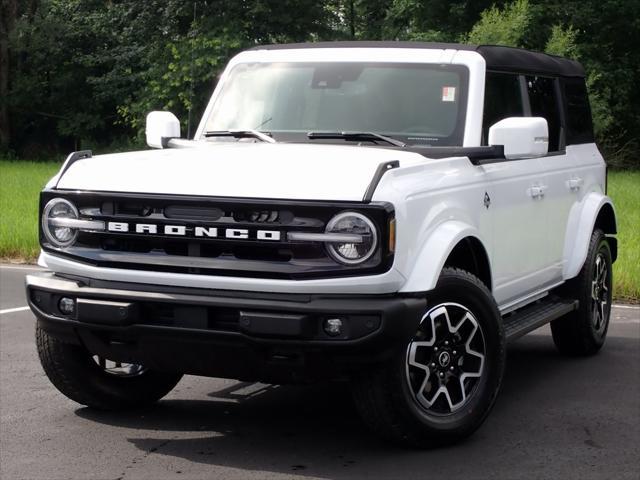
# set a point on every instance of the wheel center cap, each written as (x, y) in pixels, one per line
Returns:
(444, 359)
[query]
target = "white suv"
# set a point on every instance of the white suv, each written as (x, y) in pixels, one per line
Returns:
(388, 213)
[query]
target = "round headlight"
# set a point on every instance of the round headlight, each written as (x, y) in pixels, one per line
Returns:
(57, 235)
(352, 252)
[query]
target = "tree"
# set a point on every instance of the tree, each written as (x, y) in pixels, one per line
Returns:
(8, 15)
(78, 72)
(563, 42)
(508, 26)
(607, 33)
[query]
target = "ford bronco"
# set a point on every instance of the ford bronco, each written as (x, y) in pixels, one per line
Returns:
(387, 213)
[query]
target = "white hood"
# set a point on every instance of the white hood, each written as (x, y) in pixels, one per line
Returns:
(250, 170)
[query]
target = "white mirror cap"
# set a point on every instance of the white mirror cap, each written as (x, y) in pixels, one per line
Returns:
(522, 137)
(161, 125)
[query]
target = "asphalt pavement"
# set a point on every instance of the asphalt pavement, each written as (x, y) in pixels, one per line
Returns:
(556, 417)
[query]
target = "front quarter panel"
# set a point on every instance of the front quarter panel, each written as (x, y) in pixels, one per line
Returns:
(434, 252)
(437, 204)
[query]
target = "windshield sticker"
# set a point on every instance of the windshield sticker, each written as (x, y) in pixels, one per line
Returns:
(448, 94)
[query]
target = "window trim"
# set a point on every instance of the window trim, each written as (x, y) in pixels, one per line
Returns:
(560, 103)
(524, 95)
(524, 101)
(565, 108)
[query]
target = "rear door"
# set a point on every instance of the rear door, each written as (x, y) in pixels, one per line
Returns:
(564, 175)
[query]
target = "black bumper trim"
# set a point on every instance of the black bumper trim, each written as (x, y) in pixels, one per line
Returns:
(284, 341)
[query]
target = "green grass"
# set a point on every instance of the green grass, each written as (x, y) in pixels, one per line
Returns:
(624, 189)
(20, 183)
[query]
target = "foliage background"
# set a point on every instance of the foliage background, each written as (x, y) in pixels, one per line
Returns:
(84, 73)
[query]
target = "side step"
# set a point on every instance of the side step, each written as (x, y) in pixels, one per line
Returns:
(535, 315)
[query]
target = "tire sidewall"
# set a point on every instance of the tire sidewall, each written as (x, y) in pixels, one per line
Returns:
(456, 288)
(121, 389)
(74, 372)
(599, 245)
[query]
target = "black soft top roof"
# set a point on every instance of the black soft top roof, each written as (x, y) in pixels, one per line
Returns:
(498, 58)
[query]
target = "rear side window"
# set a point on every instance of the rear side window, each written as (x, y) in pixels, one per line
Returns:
(579, 123)
(544, 103)
(502, 99)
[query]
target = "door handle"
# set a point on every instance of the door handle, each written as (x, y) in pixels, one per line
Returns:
(574, 183)
(537, 191)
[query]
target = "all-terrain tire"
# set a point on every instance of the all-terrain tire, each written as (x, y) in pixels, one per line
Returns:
(385, 397)
(73, 371)
(583, 331)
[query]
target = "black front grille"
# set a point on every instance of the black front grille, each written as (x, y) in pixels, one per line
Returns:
(211, 214)
(249, 254)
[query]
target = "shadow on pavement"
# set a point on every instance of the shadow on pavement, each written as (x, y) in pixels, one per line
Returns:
(315, 430)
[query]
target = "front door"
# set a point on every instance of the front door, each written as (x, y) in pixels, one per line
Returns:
(522, 260)
(520, 237)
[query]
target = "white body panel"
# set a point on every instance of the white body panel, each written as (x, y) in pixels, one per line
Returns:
(518, 250)
(582, 179)
(437, 202)
(250, 170)
(385, 283)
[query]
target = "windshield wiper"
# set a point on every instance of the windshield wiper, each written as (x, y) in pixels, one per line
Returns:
(241, 134)
(357, 136)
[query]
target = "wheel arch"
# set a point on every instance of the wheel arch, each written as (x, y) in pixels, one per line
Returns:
(470, 255)
(606, 219)
(452, 244)
(595, 211)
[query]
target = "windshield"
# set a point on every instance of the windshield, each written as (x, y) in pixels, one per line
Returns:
(416, 103)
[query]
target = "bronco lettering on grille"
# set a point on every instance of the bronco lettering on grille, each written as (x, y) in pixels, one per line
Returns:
(198, 232)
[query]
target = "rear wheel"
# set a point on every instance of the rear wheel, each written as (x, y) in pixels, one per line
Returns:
(97, 382)
(584, 331)
(445, 378)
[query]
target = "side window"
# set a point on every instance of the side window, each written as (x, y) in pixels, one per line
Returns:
(544, 103)
(579, 123)
(502, 99)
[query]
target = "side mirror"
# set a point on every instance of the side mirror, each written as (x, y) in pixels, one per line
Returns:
(161, 126)
(522, 137)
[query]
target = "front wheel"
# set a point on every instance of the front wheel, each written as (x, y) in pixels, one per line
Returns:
(97, 382)
(445, 378)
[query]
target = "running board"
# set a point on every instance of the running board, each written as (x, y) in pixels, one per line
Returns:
(522, 321)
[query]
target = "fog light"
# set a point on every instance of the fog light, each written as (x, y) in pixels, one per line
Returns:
(333, 326)
(67, 305)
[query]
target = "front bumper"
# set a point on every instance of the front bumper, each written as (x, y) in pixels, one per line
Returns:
(388, 282)
(251, 336)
